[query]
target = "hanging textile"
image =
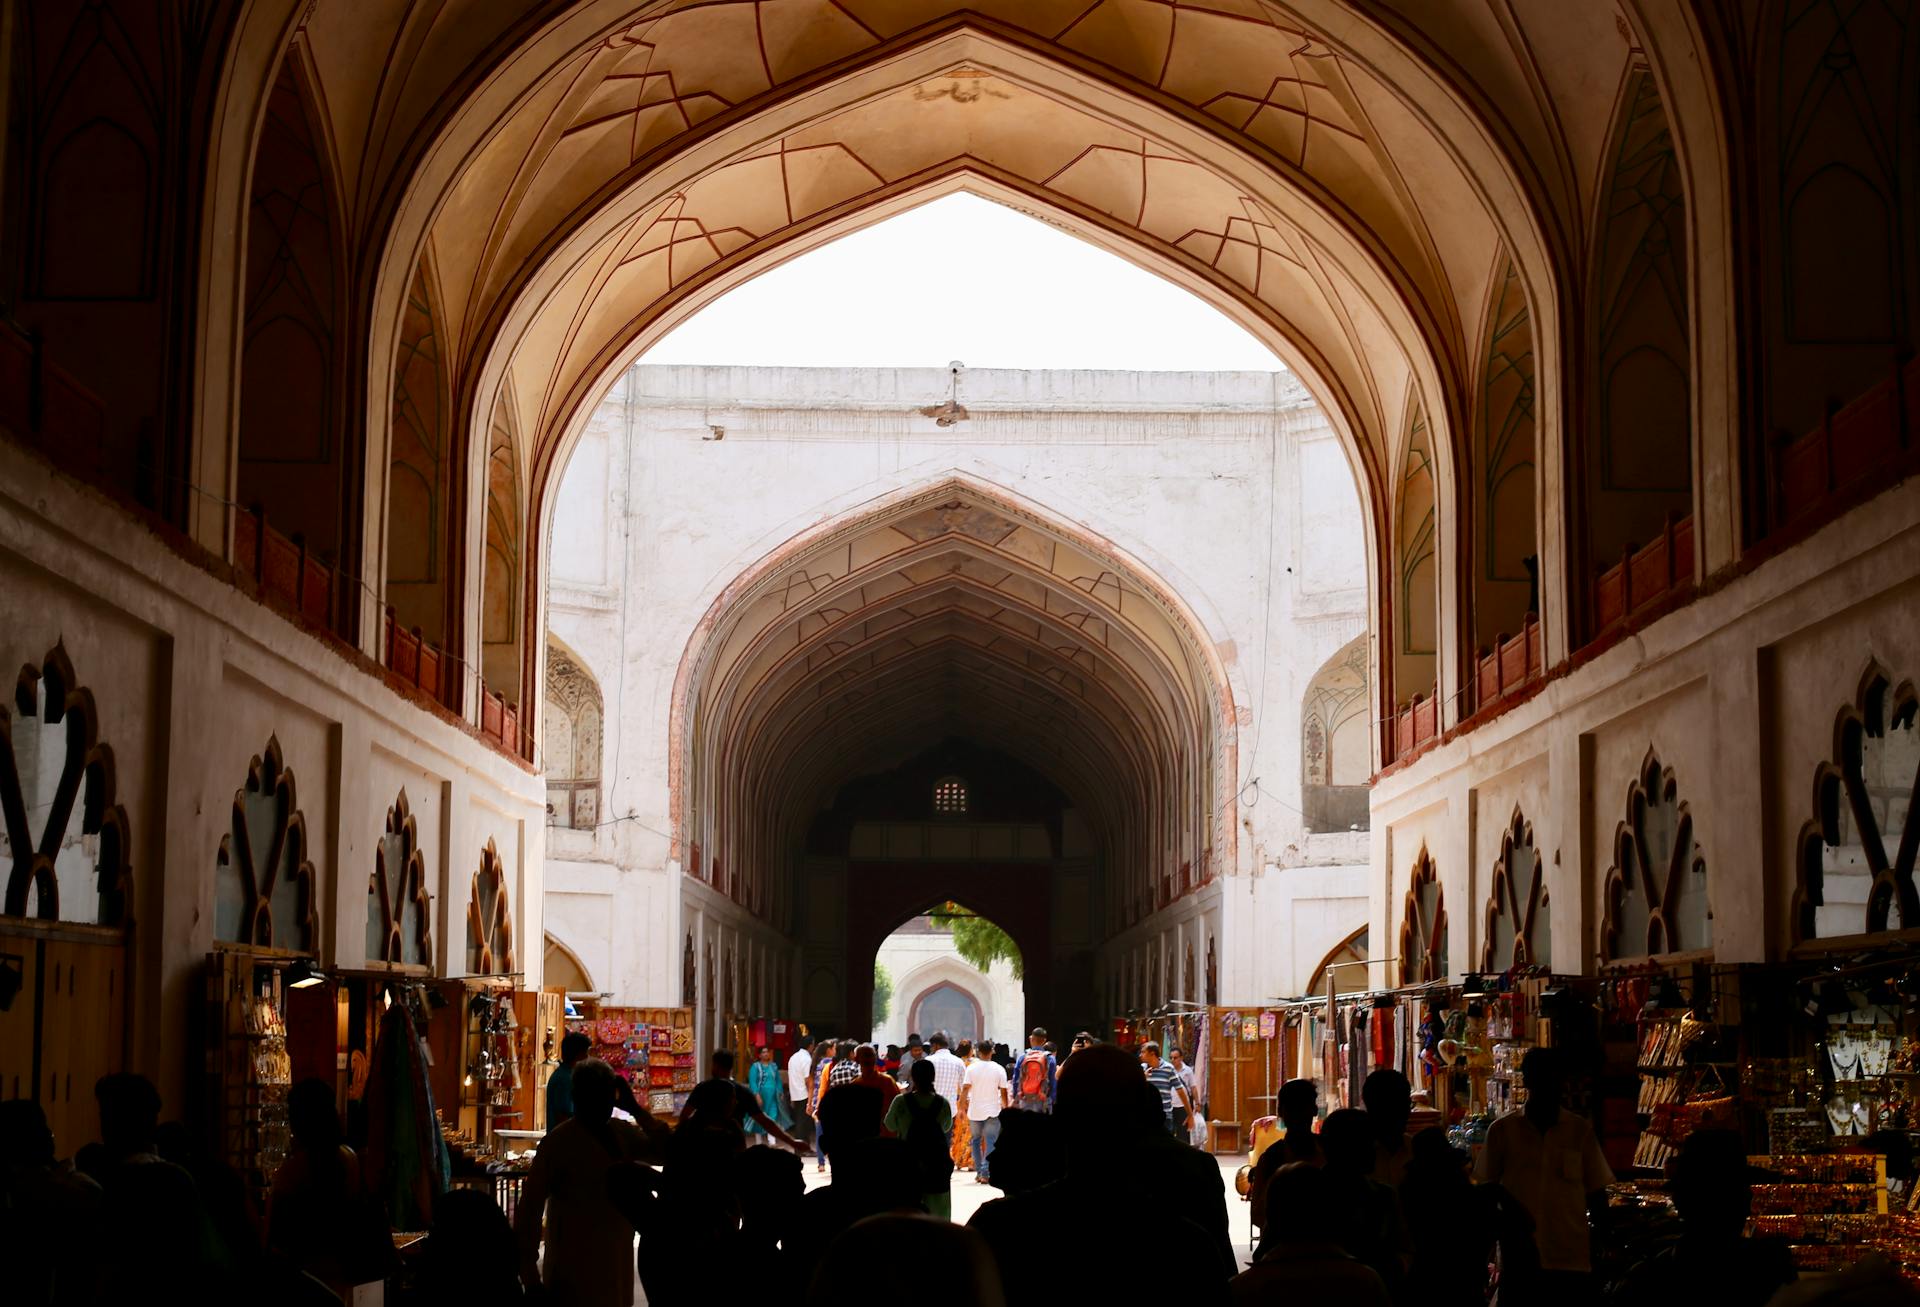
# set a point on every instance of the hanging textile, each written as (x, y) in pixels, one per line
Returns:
(407, 1157)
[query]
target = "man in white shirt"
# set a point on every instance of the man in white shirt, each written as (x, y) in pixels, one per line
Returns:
(1551, 1163)
(800, 1089)
(983, 1093)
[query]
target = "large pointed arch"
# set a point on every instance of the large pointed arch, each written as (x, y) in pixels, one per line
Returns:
(953, 603)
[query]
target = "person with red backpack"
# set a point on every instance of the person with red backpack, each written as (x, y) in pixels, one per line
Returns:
(1037, 1074)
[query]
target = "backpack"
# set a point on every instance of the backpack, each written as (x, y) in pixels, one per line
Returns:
(929, 1145)
(1033, 1073)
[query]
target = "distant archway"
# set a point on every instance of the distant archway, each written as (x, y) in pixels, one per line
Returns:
(948, 1007)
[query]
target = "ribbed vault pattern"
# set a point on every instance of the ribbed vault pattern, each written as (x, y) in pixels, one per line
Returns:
(951, 613)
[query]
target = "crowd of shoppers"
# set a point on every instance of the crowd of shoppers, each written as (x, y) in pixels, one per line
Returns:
(1095, 1178)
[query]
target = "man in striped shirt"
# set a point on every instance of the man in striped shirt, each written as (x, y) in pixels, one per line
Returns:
(1173, 1090)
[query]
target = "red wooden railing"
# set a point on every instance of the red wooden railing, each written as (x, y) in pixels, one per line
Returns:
(1844, 453)
(1414, 726)
(414, 661)
(500, 722)
(1644, 577)
(1509, 665)
(283, 571)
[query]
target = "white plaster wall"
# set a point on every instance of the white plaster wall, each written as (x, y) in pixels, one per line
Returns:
(1231, 486)
(1737, 692)
(919, 963)
(191, 679)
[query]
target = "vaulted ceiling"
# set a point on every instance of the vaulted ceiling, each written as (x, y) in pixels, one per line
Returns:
(948, 612)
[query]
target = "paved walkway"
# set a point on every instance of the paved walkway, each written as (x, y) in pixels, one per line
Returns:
(969, 1198)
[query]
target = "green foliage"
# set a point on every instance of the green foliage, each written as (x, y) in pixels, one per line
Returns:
(979, 941)
(882, 993)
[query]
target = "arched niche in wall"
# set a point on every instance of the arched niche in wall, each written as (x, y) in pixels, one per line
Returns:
(1857, 854)
(419, 516)
(947, 1007)
(1344, 959)
(1423, 925)
(562, 969)
(1336, 751)
(399, 907)
(1517, 921)
(571, 731)
(500, 570)
(266, 891)
(64, 840)
(1837, 103)
(1638, 462)
(1655, 895)
(1505, 546)
(490, 918)
(293, 462)
(1416, 638)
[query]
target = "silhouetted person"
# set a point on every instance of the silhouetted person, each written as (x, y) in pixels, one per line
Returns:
(963, 1271)
(573, 1047)
(1713, 1260)
(769, 1184)
(923, 1119)
(1388, 1099)
(1299, 1109)
(318, 1216)
(589, 1242)
(694, 1222)
(853, 1111)
(1378, 1234)
(1458, 1229)
(1029, 1152)
(161, 1244)
(738, 1101)
(49, 1214)
(1304, 1261)
(870, 1176)
(1129, 1185)
(1550, 1161)
(468, 1257)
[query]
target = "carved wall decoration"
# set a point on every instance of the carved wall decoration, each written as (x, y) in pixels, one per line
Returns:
(265, 889)
(490, 918)
(1423, 925)
(418, 517)
(399, 908)
(291, 459)
(1639, 462)
(1857, 854)
(1656, 890)
(1505, 538)
(1517, 930)
(52, 761)
(570, 741)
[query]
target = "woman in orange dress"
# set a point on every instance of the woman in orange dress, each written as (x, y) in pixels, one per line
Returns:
(962, 1150)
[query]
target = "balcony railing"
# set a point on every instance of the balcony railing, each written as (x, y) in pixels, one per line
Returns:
(284, 572)
(1415, 726)
(1843, 456)
(500, 722)
(1643, 578)
(1509, 666)
(416, 662)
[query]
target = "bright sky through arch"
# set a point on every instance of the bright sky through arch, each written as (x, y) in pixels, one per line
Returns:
(963, 278)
